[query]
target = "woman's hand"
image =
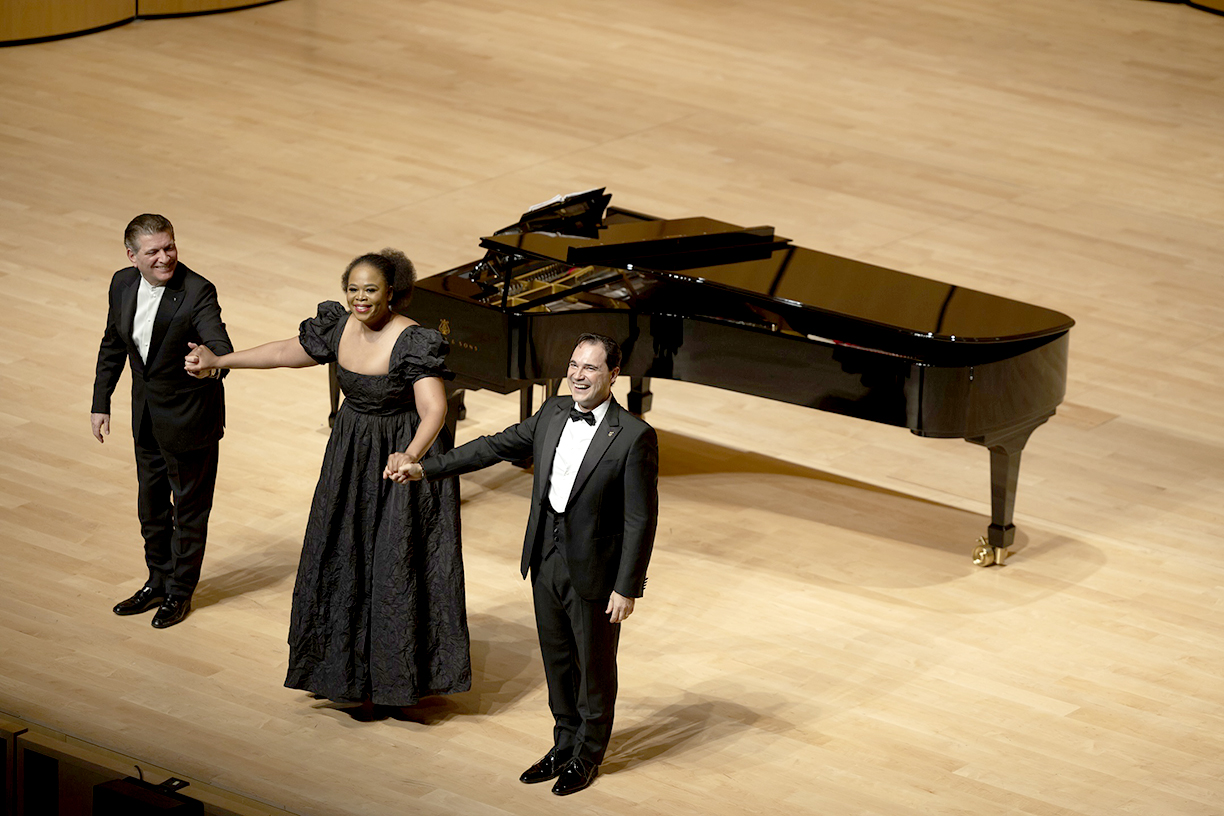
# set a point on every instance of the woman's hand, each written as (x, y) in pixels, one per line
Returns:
(200, 362)
(397, 465)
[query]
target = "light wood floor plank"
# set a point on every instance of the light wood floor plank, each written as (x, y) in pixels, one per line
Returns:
(815, 639)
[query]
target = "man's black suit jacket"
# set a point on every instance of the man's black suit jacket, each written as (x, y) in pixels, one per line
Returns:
(609, 521)
(187, 413)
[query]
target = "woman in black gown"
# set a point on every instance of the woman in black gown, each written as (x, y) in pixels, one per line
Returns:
(379, 613)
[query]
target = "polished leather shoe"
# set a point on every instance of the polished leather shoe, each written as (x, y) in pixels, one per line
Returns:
(173, 610)
(547, 768)
(145, 599)
(575, 776)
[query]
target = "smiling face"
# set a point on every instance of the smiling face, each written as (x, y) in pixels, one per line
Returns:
(590, 380)
(155, 258)
(369, 297)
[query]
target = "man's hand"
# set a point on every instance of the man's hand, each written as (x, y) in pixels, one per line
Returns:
(200, 362)
(100, 423)
(402, 468)
(619, 607)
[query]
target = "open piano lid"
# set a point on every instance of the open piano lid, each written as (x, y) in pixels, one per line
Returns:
(756, 262)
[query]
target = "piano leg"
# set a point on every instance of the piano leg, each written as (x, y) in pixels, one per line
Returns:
(526, 401)
(1005, 450)
(639, 395)
(527, 397)
(334, 390)
(455, 410)
(526, 407)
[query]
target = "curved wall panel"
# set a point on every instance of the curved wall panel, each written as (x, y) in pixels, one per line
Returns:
(173, 8)
(22, 20)
(1214, 6)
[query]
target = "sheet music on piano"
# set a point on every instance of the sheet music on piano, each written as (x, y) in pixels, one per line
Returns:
(557, 199)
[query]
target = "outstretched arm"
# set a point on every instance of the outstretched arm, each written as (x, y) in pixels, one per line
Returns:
(511, 445)
(288, 353)
(430, 398)
(206, 319)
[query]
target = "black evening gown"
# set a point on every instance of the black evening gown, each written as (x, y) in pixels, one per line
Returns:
(378, 608)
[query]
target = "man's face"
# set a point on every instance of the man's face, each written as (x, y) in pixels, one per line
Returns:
(156, 258)
(590, 381)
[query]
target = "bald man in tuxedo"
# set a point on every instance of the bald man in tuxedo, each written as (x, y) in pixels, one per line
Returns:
(594, 511)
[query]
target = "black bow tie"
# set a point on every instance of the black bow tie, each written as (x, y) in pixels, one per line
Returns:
(586, 416)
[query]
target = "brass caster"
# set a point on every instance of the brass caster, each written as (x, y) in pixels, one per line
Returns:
(984, 555)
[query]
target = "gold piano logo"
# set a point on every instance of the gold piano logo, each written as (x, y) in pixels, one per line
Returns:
(444, 327)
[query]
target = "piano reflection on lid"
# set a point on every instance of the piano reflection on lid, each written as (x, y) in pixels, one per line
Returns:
(703, 301)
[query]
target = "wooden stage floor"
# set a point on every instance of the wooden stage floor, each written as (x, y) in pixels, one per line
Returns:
(815, 639)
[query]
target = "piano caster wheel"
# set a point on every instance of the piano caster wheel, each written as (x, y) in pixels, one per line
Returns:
(985, 555)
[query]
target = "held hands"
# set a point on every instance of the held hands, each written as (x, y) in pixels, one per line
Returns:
(619, 607)
(402, 469)
(200, 362)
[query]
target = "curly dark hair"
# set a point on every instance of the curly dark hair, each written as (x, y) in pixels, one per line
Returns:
(396, 270)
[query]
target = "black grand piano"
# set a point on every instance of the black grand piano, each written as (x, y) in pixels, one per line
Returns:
(707, 302)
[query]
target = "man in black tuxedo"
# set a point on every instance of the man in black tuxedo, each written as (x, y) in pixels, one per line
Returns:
(594, 509)
(156, 306)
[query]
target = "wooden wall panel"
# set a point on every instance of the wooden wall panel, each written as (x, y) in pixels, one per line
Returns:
(157, 8)
(9, 731)
(22, 20)
(34, 19)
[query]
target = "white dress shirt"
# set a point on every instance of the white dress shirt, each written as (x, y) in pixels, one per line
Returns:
(575, 439)
(148, 298)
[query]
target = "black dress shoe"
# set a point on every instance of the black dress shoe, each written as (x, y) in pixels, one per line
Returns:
(145, 599)
(575, 776)
(173, 610)
(547, 768)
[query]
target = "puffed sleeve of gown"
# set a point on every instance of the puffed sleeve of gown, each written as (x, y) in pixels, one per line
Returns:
(320, 335)
(420, 353)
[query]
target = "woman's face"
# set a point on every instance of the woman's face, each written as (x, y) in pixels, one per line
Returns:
(368, 296)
